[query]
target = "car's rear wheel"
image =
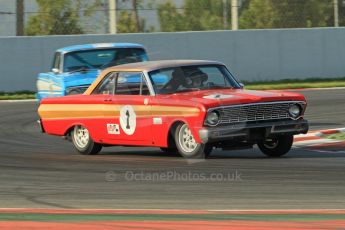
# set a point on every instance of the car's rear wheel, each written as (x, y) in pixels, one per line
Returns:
(83, 142)
(277, 146)
(187, 146)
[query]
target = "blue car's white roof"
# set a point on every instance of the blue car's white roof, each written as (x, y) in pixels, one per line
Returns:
(98, 46)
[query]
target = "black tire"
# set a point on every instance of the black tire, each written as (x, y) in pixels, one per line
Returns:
(199, 151)
(277, 146)
(86, 147)
(171, 148)
(208, 150)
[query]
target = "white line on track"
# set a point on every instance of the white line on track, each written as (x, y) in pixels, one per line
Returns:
(326, 151)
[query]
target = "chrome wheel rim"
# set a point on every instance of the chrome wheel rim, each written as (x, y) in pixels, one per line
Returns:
(186, 139)
(270, 143)
(81, 136)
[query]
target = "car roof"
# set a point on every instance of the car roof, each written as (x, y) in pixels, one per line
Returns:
(148, 66)
(99, 46)
(162, 64)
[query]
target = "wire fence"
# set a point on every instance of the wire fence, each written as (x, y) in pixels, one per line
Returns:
(55, 17)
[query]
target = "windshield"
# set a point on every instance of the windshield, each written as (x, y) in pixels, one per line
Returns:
(102, 58)
(192, 78)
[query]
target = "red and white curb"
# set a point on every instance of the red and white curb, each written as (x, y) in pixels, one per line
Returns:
(330, 131)
(316, 140)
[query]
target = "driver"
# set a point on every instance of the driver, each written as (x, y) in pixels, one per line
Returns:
(197, 78)
(177, 80)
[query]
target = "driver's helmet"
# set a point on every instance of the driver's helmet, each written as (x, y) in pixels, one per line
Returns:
(125, 57)
(196, 77)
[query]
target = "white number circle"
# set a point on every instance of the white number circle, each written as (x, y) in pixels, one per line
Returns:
(128, 119)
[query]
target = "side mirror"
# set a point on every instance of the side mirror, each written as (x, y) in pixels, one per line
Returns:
(55, 70)
(241, 85)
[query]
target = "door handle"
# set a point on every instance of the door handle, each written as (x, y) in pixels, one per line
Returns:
(108, 99)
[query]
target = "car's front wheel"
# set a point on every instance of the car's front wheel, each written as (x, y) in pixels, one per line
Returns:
(83, 142)
(187, 146)
(277, 146)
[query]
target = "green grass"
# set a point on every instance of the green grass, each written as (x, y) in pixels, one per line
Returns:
(336, 136)
(42, 217)
(18, 95)
(256, 85)
(296, 83)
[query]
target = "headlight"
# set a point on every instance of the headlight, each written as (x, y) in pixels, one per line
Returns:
(295, 110)
(212, 118)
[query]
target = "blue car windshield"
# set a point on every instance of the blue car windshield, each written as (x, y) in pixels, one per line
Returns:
(192, 78)
(102, 58)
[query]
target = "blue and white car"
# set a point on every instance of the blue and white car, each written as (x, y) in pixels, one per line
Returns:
(76, 67)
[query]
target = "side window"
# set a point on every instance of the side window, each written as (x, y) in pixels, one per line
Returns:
(160, 78)
(107, 86)
(131, 83)
(56, 63)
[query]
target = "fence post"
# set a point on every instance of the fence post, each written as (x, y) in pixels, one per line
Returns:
(234, 14)
(336, 13)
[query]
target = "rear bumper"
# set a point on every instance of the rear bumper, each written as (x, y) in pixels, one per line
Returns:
(253, 130)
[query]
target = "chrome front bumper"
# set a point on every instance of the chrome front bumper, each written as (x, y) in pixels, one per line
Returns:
(253, 130)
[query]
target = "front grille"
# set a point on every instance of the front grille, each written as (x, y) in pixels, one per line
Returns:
(254, 112)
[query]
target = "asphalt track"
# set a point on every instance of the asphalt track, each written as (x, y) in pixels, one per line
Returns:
(41, 171)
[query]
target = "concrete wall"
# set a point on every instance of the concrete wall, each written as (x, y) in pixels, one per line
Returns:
(249, 54)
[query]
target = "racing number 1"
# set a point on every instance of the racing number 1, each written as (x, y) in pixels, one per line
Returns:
(128, 119)
(127, 114)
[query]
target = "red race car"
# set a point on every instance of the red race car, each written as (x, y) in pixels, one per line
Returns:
(187, 106)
